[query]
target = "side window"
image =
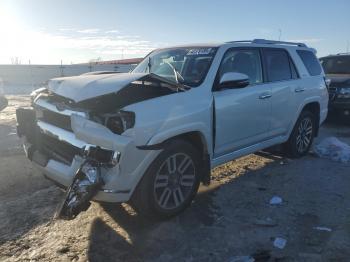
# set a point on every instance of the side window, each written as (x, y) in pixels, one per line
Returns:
(310, 61)
(277, 65)
(295, 74)
(242, 61)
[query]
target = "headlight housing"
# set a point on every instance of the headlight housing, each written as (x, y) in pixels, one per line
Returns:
(121, 121)
(36, 92)
(344, 92)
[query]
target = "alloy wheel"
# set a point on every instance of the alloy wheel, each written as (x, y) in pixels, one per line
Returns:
(304, 136)
(174, 181)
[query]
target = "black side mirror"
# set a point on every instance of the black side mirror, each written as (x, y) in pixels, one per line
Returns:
(233, 80)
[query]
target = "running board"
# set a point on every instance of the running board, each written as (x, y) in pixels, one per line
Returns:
(247, 150)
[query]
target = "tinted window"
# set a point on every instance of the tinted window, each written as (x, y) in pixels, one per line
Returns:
(295, 74)
(310, 61)
(336, 64)
(277, 65)
(242, 61)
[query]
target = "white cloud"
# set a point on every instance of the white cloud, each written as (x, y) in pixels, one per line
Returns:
(89, 31)
(112, 32)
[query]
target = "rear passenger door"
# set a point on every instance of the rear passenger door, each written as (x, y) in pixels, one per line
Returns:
(281, 74)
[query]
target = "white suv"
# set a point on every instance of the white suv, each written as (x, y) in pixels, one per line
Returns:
(151, 136)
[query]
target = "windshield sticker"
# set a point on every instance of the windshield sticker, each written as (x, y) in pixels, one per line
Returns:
(199, 51)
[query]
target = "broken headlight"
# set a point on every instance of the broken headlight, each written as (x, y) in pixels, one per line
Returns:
(34, 94)
(120, 121)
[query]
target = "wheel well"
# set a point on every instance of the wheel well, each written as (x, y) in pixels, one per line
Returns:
(314, 108)
(198, 141)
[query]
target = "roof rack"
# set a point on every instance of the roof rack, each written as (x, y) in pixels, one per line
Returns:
(269, 42)
(345, 53)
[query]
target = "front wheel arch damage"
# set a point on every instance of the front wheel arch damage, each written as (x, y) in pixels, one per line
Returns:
(195, 138)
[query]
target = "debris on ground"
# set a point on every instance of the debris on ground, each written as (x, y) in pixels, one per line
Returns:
(332, 148)
(266, 222)
(276, 200)
(323, 229)
(279, 242)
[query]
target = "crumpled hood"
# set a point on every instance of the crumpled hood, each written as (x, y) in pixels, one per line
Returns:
(79, 88)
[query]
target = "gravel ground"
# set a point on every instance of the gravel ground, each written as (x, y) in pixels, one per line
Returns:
(230, 218)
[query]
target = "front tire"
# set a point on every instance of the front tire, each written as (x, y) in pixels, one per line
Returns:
(302, 136)
(170, 183)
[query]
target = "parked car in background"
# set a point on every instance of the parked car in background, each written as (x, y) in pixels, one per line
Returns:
(337, 69)
(152, 135)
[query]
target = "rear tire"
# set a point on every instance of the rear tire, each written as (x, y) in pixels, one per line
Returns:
(170, 183)
(302, 136)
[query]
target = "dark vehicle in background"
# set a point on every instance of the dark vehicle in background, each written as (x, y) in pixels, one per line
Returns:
(337, 69)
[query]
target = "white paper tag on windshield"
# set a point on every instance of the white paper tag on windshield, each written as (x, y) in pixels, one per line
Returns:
(199, 51)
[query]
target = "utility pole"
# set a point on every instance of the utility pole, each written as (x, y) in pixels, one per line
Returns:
(31, 74)
(347, 46)
(61, 68)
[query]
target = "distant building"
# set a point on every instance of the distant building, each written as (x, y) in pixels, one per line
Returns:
(24, 78)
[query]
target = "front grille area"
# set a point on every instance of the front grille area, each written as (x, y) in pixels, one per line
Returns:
(50, 146)
(56, 119)
(56, 149)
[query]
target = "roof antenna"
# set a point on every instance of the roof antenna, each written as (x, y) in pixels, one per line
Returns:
(279, 34)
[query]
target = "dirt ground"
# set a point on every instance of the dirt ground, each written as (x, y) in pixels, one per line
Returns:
(230, 218)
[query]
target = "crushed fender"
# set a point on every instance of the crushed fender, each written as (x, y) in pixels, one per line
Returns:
(86, 183)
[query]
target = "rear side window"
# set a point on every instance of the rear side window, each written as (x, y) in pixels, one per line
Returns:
(278, 66)
(310, 61)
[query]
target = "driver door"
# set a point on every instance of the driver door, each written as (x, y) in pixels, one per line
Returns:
(242, 115)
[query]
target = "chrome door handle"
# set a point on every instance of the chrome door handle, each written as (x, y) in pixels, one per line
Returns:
(265, 95)
(299, 90)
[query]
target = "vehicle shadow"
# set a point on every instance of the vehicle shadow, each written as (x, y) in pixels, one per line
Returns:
(131, 237)
(135, 235)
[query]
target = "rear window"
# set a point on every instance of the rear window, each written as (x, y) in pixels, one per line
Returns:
(336, 64)
(277, 65)
(310, 62)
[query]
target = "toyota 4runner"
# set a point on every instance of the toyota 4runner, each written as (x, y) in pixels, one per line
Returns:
(151, 136)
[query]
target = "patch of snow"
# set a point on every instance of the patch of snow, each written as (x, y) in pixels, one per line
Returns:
(279, 242)
(323, 229)
(276, 200)
(332, 148)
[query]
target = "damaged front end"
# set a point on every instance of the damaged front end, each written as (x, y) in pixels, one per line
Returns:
(86, 184)
(79, 143)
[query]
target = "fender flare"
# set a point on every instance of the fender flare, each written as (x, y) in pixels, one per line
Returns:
(159, 140)
(309, 100)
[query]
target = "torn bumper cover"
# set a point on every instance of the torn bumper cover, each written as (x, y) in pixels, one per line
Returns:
(84, 187)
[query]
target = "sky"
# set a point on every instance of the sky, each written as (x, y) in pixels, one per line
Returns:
(75, 31)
